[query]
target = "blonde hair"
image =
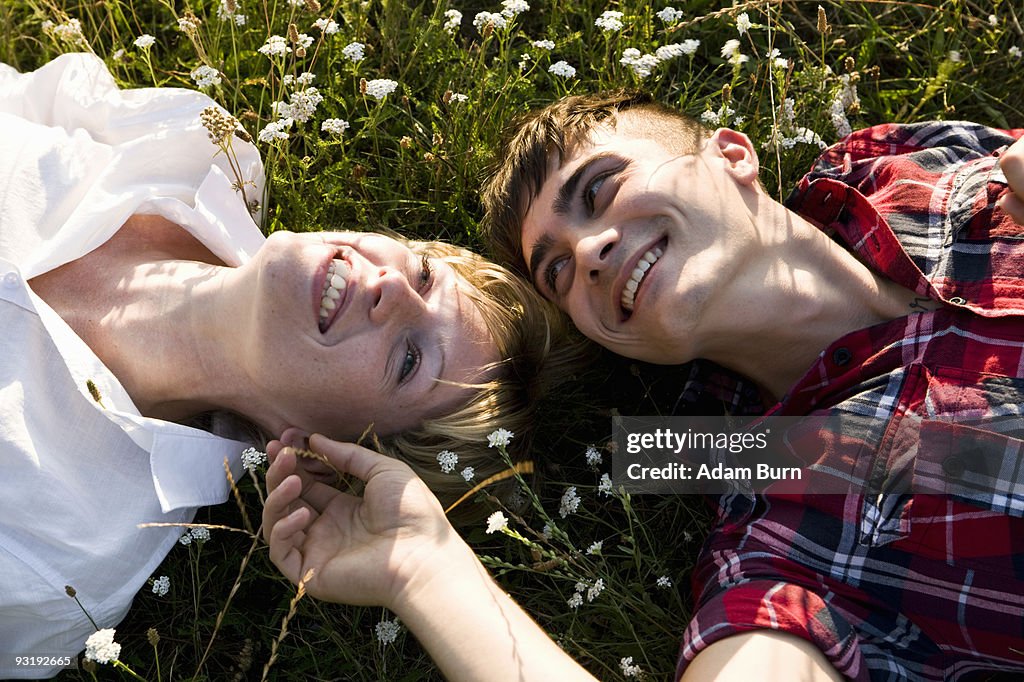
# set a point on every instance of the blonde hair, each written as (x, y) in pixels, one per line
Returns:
(539, 351)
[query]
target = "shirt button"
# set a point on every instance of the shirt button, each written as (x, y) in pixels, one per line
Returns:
(954, 467)
(956, 300)
(842, 356)
(11, 280)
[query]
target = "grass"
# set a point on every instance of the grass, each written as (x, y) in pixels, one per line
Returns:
(412, 162)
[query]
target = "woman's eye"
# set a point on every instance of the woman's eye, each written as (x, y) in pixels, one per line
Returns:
(425, 272)
(551, 276)
(412, 358)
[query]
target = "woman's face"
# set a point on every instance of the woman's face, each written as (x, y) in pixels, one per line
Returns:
(379, 341)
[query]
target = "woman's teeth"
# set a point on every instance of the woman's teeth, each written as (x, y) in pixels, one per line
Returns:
(336, 281)
(642, 266)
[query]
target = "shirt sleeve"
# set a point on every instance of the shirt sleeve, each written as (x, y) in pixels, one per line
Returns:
(780, 606)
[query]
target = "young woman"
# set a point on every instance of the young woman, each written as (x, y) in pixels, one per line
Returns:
(139, 301)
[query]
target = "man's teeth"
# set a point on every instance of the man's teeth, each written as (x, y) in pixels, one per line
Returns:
(642, 266)
(337, 274)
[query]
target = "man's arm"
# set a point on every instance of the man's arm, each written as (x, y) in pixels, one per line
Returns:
(394, 547)
(765, 655)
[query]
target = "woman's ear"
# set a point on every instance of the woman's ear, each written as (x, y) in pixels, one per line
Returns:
(738, 152)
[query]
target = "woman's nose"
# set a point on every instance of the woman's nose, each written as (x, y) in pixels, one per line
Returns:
(394, 296)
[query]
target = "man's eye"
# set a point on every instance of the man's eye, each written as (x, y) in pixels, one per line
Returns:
(409, 363)
(551, 274)
(590, 191)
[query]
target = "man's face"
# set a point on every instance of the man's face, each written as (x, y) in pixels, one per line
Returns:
(632, 240)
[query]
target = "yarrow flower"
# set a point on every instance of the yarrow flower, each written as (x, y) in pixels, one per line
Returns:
(544, 44)
(387, 631)
(452, 20)
(334, 126)
(510, 8)
(327, 26)
(161, 586)
(743, 23)
(354, 52)
(642, 65)
(593, 456)
(276, 46)
(1014, 52)
(227, 11)
(220, 125)
(570, 502)
(483, 19)
(205, 76)
(595, 590)
(609, 21)
(278, 130)
(664, 582)
(101, 647)
(70, 31)
(499, 438)
(200, 533)
(563, 69)
(575, 601)
(496, 522)
(627, 667)
(687, 47)
(145, 41)
(605, 486)
(467, 474)
(669, 15)
(252, 458)
(447, 460)
(379, 88)
(595, 547)
(458, 98)
(731, 51)
(188, 23)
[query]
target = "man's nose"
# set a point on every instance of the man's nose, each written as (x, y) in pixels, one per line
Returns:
(392, 296)
(593, 251)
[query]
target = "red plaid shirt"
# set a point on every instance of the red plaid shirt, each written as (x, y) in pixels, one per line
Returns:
(899, 586)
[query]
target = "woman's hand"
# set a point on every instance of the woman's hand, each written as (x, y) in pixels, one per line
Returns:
(364, 550)
(1012, 165)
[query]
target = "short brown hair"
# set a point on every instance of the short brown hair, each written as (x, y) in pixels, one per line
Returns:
(519, 170)
(539, 351)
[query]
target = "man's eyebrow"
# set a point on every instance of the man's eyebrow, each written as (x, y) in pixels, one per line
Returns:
(567, 191)
(540, 253)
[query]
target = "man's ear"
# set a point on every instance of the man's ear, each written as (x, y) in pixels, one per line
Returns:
(738, 152)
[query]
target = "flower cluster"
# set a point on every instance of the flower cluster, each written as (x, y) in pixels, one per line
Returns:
(228, 11)
(452, 20)
(642, 64)
(499, 438)
(161, 586)
(467, 474)
(447, 460)
(570, 502)
(205, 76)
(731, 52)
(327, 26)
(198, 534)
(70, 31)
(563, 69)
(627, 667)
(334, 126)
(354, 52)
(605, 485)
(496, 522)
(510, 8)
(220, 125)
(252, 458)
(743, 23)
(301, 105)
(379, 88)
(609, 21)
(276, 46)
(593, 456)
(595, 547)
(484, 19)
(101, 647)
(144, 42)
(544, 44)
(664, 582)
(387, 631)
(669, 15)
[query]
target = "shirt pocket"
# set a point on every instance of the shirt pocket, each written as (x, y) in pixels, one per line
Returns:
(973, 214)
(948, 480)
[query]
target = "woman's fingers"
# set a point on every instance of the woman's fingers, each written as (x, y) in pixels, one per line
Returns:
(351, 458)
(286, 539)
(1013, 205)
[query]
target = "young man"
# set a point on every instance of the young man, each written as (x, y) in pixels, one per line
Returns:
(657, 239)
(888, 291)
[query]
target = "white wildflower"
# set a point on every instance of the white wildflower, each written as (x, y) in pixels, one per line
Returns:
(609, 21)
(188, 23)
(595, 590)
(544, 44)
(354, 52)
(452, 20)
(334, 126)
(839, 121)
(458, 98)
(145, 41)
(593, 456)
(496, 521)
(379, 88)
(780, 63)
(387, 631)
(482, 19)
(101, 647)
(278, 130)
(743, 23)
(1014, 52)
(581, 586)
(467, 474)
(499, 438)
(524, 61)
(304, 41)
(575, 601)
(804, 136)
(548, 531)
(510, 8)
(993, 20)
(447, 460)
(605, 486)
(710, 118)
(642, 65)
(730, 48)
(70, 31)
(276, 46)
(628, 669)
(252, 458)
(669, 15)
(595, 547)
(118, 56)
(563, 69)
(185, 539)
(226, 13)
(205, 76)
(305, 78)
(327, 26)
(687, 47)
(664, 582)
(161, 586)
(954, 56)
(200, 533)
(570, 502)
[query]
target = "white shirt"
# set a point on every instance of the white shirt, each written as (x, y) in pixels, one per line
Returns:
(78, 156)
